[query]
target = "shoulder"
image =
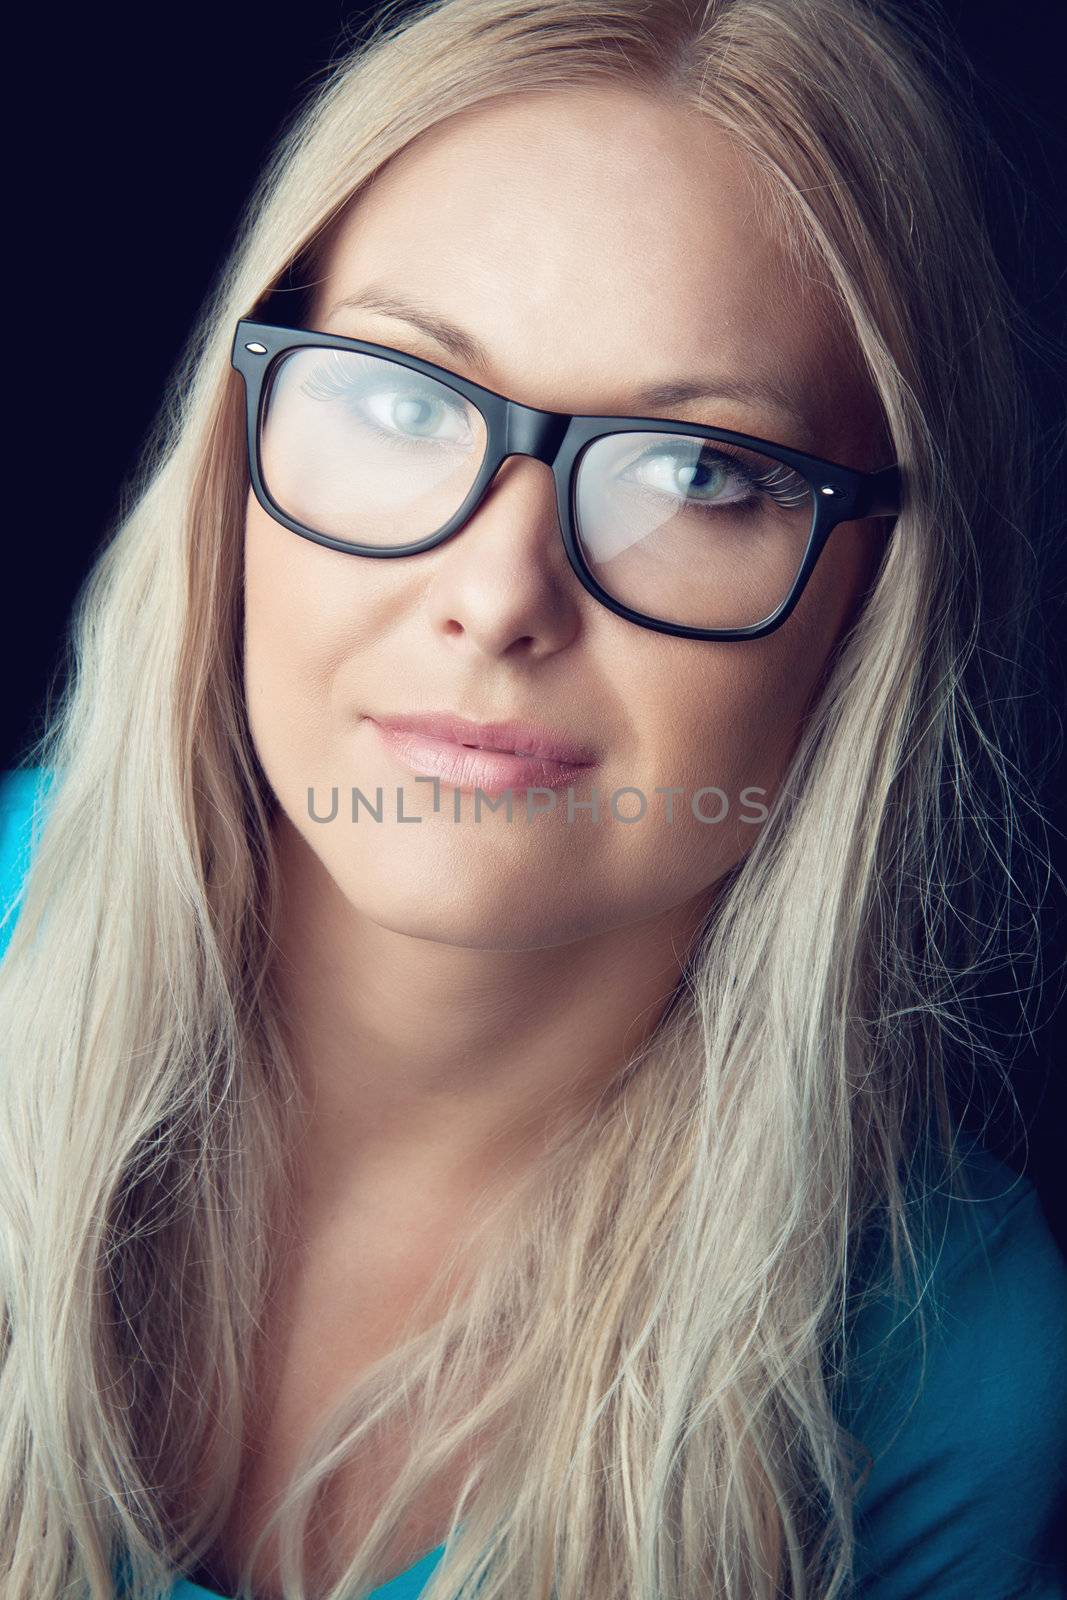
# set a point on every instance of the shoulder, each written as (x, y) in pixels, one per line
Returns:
(20, 789)
(967, 1432)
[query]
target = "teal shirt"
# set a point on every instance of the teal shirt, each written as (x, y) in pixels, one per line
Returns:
(967, 1498)
(405, 1586)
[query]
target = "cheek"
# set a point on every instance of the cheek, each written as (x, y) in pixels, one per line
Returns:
(297, 626)
(834, 596)
(725, 747)
(790, 667)
(737, 711)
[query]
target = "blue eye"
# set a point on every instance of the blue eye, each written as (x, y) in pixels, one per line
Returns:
(713, 478)
(392, 402)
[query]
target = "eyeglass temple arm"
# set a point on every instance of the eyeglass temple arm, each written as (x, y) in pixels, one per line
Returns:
(879, 494)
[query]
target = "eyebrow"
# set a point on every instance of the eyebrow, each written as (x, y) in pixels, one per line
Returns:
(463, 345)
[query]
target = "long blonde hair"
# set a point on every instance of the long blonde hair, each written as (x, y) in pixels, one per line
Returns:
(665, 1298)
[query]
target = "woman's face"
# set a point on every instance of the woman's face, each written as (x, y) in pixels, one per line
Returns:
(595, 244)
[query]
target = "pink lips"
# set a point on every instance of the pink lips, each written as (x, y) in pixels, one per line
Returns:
(491, 756)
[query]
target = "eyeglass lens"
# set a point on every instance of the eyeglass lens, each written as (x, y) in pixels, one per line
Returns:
(684, 529)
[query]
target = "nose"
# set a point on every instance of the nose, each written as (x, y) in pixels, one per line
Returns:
(505, 585)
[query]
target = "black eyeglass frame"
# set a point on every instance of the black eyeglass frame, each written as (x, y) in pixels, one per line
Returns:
(839, 493)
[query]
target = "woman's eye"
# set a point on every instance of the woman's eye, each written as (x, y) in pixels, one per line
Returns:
(412, 412)
(709, 478)
(703, 479)
(399, 409)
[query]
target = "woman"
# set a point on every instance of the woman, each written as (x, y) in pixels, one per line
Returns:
(401, 1189)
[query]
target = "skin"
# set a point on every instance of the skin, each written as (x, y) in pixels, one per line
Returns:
(453, 985)
(452, 988)
(439, 1030)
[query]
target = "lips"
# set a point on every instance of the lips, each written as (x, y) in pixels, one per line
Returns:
(507, 738)
(485, 756)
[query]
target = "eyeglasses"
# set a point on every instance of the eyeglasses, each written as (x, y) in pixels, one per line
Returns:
(688, 530)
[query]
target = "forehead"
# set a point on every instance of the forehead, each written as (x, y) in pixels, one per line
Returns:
(600, 223)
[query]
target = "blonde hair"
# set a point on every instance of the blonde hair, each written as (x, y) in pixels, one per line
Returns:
(662, 1304)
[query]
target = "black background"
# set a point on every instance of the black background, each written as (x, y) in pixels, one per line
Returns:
(147, 130)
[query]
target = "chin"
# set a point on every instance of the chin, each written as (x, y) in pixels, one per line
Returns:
(443, 913)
